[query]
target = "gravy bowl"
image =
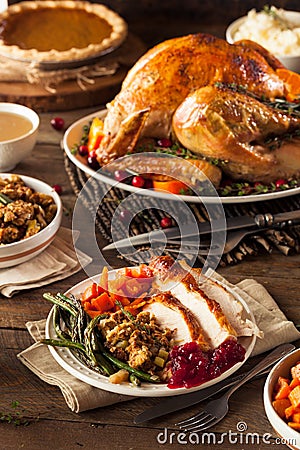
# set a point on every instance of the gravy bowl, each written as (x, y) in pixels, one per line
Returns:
(18, 134)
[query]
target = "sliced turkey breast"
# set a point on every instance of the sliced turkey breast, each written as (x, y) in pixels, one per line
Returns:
(171, 313)
(171, 277)
(231, 307)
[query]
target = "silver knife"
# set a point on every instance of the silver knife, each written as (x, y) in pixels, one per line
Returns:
(178, 402)
(232, 223)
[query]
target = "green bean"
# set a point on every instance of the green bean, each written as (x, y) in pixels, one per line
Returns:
(89, 337)
(56, 324)
(134, 380)
(57, 301)
(4, 199)
(121, 365)
(72, 300)
(63, 343)
(81, 317)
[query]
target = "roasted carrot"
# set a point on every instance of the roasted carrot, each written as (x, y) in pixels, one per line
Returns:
(95, 134)
(90, 292)
(172, 186)
(103, 302)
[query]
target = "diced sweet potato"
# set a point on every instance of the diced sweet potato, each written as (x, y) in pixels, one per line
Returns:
(294, 425)
(282, 388)
(294, 396)
(295, 371)
(295, 382)
(296, 417)
(290, 411)
(281, 405)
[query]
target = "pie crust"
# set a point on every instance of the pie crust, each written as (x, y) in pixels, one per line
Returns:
(59, 30)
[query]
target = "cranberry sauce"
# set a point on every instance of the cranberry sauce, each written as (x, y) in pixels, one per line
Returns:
(190, 366)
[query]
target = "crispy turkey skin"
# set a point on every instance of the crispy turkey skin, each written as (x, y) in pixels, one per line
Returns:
(256, 141)
(161, 79)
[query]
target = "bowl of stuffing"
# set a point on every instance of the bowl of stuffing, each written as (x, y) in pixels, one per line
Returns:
(282, 399)
(18, 134)
(30, 216)
(275, 29)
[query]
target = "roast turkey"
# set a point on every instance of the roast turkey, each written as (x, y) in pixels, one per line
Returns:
(255, 141)
(162, 78)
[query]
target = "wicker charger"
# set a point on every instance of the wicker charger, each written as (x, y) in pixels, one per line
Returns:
(287, 241)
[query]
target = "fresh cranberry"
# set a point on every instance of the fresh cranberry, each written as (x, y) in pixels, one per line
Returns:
(83, 150)
(92, 162)
(166, 222)
(57, 188)
(138, 181)
(164, 142)
(120, 175)
(58, 123)
(280, 182)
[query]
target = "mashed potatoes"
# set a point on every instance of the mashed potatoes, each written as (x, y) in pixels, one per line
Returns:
(273, 29)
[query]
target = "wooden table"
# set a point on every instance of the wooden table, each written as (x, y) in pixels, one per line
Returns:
(52, 424)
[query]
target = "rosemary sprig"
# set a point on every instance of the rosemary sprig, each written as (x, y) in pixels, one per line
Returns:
(132, 318)
(15, 417)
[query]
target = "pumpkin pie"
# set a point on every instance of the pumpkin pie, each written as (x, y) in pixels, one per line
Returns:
(60, 31)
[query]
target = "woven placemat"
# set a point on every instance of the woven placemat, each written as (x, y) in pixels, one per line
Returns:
(286, 241)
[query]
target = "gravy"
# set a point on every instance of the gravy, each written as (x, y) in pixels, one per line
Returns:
(13, 126)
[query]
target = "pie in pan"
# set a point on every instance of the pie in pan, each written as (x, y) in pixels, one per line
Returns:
(59, 30)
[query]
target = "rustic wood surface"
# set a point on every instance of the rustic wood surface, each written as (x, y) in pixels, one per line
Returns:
(52, 425)
(51, 421)
(73, 93)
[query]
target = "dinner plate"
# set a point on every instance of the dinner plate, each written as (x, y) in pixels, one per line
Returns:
(74, 133)
(67, 359)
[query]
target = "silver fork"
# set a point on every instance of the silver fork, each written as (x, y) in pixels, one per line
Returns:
(232, 240)
(217, 409)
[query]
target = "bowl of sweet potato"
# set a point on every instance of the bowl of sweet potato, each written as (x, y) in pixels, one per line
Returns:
(282, 399)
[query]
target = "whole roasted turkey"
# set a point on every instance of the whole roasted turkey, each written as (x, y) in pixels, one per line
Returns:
(162, 94)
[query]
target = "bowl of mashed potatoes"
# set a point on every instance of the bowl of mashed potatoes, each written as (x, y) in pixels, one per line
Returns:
(275, 29)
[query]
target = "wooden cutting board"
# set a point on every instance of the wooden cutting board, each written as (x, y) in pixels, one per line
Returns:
(68, 94)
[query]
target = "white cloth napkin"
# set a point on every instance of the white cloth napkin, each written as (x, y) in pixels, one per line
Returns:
(56, 262)
(268, 316)
(80, 396)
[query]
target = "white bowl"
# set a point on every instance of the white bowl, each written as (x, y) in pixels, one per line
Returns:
(13, 151)
(21, 251)
(290, 62)
(282, 429)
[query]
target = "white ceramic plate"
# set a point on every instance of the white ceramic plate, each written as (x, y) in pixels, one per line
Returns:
(73, 135)
(71, 364)
(290, 436)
